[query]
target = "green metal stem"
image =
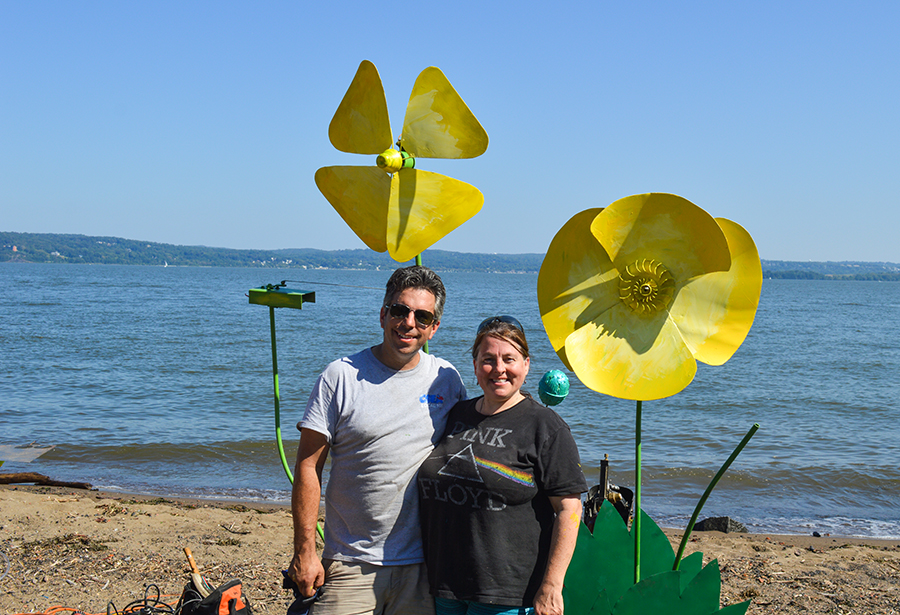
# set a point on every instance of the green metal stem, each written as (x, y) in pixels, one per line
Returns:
(636, 521)
(715, 480)
(284, 461)
(419, 263)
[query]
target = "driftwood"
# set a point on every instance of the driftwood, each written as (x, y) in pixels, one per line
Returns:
(16, 478)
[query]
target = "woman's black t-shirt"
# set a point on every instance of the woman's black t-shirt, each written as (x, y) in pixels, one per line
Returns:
(483, 492)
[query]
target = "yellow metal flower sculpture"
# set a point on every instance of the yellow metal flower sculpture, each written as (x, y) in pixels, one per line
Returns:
(394, 206)
(632, 295)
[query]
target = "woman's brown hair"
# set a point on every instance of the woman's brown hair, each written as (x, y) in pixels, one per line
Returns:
(503, 329)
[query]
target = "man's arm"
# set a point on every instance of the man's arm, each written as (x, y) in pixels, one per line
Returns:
(548, 600)
(306, 567)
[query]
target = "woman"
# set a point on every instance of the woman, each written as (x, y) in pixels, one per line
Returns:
(500, 494)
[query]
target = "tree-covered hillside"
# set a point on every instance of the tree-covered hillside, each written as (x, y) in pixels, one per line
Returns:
(53, 248)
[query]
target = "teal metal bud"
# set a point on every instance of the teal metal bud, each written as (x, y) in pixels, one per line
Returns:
(554, 387)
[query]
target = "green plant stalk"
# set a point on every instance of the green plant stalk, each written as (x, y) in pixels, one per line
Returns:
(712, 485)
(636, 521)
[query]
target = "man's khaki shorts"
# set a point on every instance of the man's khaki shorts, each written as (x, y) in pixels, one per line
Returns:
(358, 588)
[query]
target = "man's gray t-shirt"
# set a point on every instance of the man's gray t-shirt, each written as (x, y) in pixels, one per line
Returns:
(381, 424)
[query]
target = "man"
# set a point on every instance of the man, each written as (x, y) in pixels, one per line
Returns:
(379, 413)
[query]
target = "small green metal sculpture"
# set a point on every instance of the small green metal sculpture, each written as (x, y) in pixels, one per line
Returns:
(276, 295)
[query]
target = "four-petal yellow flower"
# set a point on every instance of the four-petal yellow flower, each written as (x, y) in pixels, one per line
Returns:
(632, 295)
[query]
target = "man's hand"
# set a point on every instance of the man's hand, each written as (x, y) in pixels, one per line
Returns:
(307, 573)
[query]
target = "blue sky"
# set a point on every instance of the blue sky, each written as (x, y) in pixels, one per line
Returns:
(203, 123)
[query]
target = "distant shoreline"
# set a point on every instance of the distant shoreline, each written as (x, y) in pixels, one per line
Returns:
(83, 249)
(767, 274)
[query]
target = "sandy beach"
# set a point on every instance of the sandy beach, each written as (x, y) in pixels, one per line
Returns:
(83, 550)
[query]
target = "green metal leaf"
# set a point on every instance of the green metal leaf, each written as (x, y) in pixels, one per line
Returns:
(661, 593)
(657, 554)
(600, 578)
(702, 594)
(656, 594)
(690, 566)
(735, 609)
(602, 566)
(592, 569)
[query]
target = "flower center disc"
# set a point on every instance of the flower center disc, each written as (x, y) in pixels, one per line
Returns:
(391, 160)
(646, 286)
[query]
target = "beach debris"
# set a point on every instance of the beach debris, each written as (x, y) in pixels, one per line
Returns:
(111, 509)
(22, 454)
(66, 544)
(233, 530)
(21, 478)
(7, 565)
(721, 524)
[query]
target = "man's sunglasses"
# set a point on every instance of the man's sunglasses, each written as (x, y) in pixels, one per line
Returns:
(398, 310)
(493, 319)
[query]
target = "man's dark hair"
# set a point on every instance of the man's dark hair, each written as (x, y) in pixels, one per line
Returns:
(416, 276)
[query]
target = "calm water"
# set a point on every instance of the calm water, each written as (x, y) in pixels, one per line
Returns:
(159, 380)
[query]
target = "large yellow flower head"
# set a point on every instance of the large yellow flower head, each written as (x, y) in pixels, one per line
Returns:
(633, 295)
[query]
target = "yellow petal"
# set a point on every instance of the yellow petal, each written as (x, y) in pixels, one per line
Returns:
(666, 228)
(631, 357)
(361, 196)
(424, 207)
(577, 281)
(438, 124)
(715, 312)
(361, 125)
